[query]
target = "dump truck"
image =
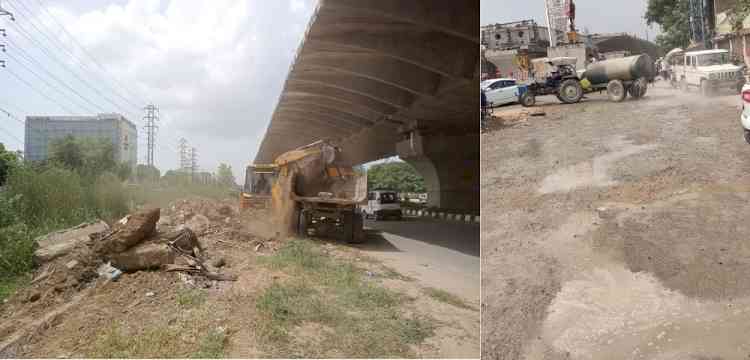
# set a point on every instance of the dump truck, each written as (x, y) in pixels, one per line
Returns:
(256, 192)
(311, 193)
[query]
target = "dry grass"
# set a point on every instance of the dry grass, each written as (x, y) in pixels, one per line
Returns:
(446, 297)
(357, 317)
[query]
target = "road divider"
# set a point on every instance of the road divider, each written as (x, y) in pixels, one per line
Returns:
(444, 215)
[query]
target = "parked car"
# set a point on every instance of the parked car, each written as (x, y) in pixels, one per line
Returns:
(382, 204)
(500, 91)
(745, 115)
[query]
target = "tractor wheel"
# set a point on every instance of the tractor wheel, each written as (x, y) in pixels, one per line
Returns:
(571, 91)
(616, 91)
(528, 99)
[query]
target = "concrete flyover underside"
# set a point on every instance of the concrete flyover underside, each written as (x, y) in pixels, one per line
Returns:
(385, 78)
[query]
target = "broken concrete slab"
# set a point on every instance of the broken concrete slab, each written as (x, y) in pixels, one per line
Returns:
(59, 243)
(143, 257)
(198, 223)
(130, 232)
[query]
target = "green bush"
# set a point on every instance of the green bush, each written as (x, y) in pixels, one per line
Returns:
(110, 198)
(49, 197)
(16, 250)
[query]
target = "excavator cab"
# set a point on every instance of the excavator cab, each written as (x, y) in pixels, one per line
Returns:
(256, 192)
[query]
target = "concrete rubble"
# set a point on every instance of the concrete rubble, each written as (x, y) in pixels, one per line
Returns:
(59, 243)
(73, 264)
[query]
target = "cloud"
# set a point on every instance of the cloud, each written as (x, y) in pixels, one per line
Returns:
(215, 68)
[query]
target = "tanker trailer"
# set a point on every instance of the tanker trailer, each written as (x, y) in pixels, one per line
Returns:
(628, 75)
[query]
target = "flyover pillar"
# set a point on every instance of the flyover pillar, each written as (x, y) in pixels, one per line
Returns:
(449, 165)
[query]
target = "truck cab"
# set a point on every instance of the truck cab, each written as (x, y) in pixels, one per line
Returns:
(382, 204)
(256, 192)
(708, 70)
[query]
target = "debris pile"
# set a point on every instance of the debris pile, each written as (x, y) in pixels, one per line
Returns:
(70, 259)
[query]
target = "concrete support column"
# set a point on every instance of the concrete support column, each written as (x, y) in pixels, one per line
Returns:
(449, 165)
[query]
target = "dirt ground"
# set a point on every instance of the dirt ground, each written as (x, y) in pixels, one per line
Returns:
(168, 314)
(617, 230)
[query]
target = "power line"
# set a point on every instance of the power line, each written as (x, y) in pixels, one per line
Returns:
(23, 31)
(39, 92)
(92, 58)
(29, 58)
(13, 136)
(53, 39)
(4, 12)
(45, 81)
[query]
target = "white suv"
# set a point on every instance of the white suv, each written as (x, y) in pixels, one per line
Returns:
(745, 115)
(707, 70)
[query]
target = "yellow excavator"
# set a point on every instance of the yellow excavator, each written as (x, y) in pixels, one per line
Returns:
(309, 192)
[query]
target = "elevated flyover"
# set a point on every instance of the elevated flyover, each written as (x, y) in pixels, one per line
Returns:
(385, 78)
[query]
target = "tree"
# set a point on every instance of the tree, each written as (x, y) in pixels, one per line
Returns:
(398, 176)
(8, 161)
(67, 152)
(224, 175)
(89, 157)
(673, 17)
(739, 13)
(146, 173)
(124, 171)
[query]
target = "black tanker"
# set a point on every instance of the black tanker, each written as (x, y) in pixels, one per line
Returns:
(624, 69)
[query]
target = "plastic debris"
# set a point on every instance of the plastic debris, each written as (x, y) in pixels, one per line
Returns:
(108, 271)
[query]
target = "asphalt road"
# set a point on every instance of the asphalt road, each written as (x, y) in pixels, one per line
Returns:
(443, 255)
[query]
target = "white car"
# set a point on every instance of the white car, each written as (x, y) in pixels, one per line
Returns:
(500, 91)
(745, 115)
(707, 70)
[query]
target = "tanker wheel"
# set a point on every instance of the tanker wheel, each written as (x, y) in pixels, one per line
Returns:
(616, 91)
(634, 90)
(570, 91)
(528, 99)
(638, 89)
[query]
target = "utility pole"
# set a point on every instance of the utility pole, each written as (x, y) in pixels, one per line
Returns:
(151, 117)
(6, 12)
(184, 161)
(193, 163)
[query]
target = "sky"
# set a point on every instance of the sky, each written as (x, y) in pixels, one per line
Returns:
(215, 68)
(598, 16)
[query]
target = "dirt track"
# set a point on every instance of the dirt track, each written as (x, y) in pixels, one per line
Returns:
(617, 231)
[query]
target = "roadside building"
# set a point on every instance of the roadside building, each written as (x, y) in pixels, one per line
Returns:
(41, 131)
(731, 30)
(510, 46)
